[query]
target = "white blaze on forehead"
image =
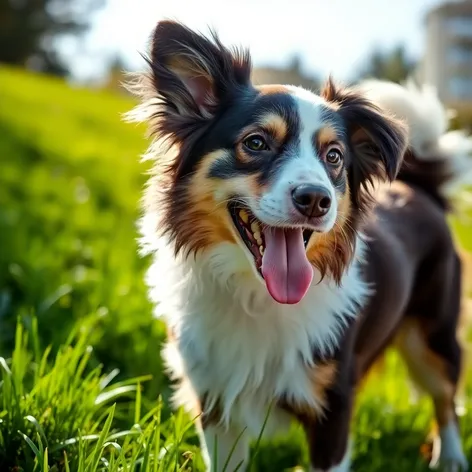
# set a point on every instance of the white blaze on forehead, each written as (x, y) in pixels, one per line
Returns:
(309, 168)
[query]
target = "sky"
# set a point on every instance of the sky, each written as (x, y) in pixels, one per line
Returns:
(331, 36)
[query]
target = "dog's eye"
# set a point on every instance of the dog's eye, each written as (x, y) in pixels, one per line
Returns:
(256, 143)
(334, 156)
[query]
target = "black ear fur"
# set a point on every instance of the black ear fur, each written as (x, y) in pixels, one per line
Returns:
(193, 74)
(378, 140)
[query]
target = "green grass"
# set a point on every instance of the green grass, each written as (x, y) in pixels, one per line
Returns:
(82, 384)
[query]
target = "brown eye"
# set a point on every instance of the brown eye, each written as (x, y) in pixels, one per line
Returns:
(334, 156)
(256, 143)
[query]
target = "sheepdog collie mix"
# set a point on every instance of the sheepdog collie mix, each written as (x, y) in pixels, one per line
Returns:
(278, 283)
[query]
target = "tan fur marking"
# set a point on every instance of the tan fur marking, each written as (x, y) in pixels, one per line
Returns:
(325, 136)
(331, 252)
(171, 335)
(242, 155)
(344, 207)
(275, 124)
(209, 219)
(272, 88)
(270, 123)
(427, 369)
(324, 376)
(241, 185)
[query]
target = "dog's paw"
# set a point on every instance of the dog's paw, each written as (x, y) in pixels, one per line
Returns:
(453, 466)
(450, 464)
(448, 455)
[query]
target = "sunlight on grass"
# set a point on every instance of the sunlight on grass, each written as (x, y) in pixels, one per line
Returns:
(61, 411)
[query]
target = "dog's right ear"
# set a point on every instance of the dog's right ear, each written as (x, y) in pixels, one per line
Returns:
(193, 75)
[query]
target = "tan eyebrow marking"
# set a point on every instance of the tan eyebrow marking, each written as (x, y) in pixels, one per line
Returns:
(270, 89)
(275, 125)
(325, 136)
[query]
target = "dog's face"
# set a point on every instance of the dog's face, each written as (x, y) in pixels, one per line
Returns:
(276, 171)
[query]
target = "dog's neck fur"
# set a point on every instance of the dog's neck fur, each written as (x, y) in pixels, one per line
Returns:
(234, 339)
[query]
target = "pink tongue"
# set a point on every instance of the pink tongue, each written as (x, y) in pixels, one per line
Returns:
(285, 267)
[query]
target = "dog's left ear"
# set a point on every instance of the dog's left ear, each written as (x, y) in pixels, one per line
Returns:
(193, 74)
(378, 141)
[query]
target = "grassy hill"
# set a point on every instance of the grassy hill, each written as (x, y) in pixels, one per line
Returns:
(69, 189)
(78, 341)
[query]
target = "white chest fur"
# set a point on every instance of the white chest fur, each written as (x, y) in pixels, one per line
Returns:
(234, 342)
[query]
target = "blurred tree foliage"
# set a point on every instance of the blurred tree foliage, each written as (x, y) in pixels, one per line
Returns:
(394, 65)
(29, 30)
(116, 75)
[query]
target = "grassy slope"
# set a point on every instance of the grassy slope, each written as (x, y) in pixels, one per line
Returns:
(69, 186)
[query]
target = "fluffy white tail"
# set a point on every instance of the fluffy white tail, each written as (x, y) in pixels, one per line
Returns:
(450, 152)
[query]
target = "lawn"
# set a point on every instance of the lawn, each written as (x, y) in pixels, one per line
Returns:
(82, 384)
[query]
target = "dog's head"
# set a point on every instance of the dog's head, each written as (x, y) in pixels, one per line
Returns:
(275, 173)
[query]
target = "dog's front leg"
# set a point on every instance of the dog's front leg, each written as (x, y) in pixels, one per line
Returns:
(225, 449)
(328, 433)
(328, 436)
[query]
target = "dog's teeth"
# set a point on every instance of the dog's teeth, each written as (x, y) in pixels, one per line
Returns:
(261, 250)
(257, 236)
(255, 228)
(244, 216)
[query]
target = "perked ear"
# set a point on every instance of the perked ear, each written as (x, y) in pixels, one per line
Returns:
(378, 140)
(193, 75)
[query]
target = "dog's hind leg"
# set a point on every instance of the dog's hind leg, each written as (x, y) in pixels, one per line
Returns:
(429, 345)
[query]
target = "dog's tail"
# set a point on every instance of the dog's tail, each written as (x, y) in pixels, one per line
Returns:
(437, 160)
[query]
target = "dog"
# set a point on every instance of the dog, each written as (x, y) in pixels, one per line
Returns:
(279, 279)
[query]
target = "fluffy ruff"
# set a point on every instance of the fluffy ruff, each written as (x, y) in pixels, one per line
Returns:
(238, 345)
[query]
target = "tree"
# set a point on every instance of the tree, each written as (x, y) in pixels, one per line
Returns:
(393, 65)
(30, 29)
(116, 75)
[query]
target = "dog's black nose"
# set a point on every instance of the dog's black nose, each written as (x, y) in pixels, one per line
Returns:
(311, 201)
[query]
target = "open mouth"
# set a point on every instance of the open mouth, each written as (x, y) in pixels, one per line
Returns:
(279, 254)
(250, 230)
